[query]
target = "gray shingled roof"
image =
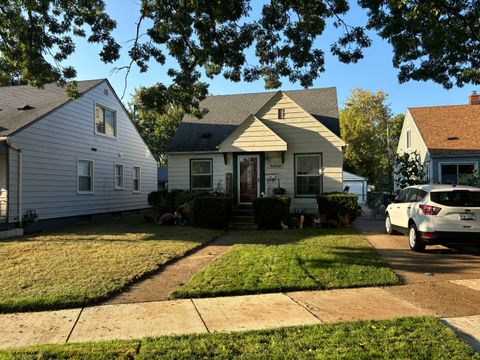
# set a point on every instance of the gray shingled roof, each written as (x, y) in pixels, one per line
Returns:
(227, 112)
(42, 100)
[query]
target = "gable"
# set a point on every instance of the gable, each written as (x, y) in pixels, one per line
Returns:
(41, 100)
(252, 135)
(227, 112)
(417, 143)
(298, 123)
(77, 116)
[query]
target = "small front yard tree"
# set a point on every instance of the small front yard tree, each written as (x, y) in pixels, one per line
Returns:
(408, 170)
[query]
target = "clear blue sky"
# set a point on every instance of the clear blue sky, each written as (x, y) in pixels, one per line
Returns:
(374, 72)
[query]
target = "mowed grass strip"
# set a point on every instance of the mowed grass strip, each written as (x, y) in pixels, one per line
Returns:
(309, 259)
(87, 263)
(407, 338)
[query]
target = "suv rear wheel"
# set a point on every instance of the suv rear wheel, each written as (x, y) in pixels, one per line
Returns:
(415, 243)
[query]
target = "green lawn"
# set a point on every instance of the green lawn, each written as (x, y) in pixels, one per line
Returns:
(271, 261)
(87, 263)
(408, 338)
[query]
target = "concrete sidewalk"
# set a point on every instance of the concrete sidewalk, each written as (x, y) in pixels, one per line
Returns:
(238, 313)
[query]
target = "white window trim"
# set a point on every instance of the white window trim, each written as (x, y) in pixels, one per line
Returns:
(407, 145)
(115, 176)
(79, 192)
(440, 180)
(320, 174)
(211, 173)
(95, 104)
(139, 180)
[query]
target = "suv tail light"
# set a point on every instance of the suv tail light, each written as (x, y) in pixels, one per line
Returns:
(430, 210)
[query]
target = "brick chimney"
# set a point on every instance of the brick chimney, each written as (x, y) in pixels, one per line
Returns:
(474, 99)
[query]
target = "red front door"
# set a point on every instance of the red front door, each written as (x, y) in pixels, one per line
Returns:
(248, 178)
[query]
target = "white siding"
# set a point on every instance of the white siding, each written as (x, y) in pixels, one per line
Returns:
(179, 169)
(51, 147)
(303, 134)
(417, 143)
(251, 136)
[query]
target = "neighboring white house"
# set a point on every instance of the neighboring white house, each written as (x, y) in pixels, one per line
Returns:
(249, 144)
(357, 185)
(446, 139)
(61, 157)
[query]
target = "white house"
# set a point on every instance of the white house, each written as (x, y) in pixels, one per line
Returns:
(250, 144)
(445, 138)
(70, 158)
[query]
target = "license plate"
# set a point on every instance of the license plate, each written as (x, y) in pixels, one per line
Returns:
(467, 216)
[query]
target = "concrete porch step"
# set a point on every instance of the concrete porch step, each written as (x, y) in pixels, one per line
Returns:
(242, 226)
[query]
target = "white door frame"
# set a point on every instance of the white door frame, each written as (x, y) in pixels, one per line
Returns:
(239, 157)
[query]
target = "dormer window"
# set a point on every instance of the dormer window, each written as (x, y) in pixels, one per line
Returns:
(281, 113)
(105, 121)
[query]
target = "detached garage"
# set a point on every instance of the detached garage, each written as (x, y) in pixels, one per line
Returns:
(357, 185)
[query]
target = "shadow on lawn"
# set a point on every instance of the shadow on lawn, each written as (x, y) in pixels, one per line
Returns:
(344, 255)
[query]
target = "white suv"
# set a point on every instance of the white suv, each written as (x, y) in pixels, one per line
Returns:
(435, 214)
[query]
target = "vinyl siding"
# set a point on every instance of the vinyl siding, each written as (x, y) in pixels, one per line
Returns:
(417, 143)
(303, 134)
(252, 136)
(179, 169)
(13, 209)
(52, 146)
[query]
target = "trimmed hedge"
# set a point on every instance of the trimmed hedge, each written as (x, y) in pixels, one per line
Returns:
(212, 211)
(271, 211)
(338, 208)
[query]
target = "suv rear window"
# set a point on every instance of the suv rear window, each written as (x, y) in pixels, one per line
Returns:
(456, 198)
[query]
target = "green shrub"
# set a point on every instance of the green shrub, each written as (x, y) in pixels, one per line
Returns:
(339, 208)
(271, 211)
(165, 201)
(161, 202)
(211, 211)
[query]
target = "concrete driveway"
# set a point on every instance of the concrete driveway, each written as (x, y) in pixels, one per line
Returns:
(444, 280)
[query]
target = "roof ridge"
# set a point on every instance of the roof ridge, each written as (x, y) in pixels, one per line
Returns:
(271, 92)
(441, 106)
(51, 83)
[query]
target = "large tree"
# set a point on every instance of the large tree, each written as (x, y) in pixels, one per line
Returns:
(435, 40)
(36, 36)
(368, 128)
(156, 129)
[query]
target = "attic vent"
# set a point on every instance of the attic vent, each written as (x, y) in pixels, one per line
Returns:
(206, 135)
(25, 107)
(105, 92)
(453, 138)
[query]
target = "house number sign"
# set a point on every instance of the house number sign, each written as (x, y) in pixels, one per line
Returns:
(276, 165)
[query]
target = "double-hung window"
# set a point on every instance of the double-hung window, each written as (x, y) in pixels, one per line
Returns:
(85, 176)
(308, 175)
(201, 176)
(136, 179)
(105, 121)
(118, 177)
